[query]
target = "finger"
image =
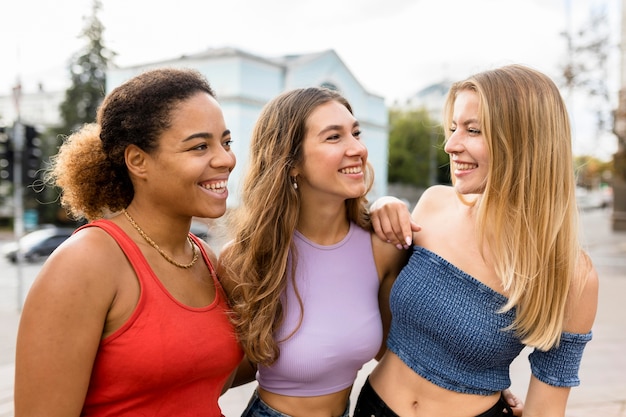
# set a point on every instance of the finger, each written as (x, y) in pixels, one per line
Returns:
(401, 223)
(382, 227)
(510, 398)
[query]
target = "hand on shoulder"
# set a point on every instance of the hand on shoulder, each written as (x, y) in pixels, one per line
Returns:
(391, 221)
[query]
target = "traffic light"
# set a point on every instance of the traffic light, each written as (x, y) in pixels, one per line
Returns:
(31, 162)
(6, 156)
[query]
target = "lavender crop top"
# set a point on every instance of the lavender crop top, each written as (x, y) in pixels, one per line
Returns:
(341, 328)
(446, 327)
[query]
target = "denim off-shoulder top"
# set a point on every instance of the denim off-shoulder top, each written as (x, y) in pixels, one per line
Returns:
(448, 328)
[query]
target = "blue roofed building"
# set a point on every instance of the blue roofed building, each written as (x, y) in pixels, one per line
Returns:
(244, 82)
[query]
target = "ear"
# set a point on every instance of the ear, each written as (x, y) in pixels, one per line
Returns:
(136, 161)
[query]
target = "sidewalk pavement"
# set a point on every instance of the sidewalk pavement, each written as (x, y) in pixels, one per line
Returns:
(603, 371)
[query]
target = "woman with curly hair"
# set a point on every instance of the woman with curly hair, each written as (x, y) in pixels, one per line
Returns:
(127, 317)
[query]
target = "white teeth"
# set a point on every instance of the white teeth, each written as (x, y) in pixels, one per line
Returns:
(353, 170)
(465, 166)
(218, 187)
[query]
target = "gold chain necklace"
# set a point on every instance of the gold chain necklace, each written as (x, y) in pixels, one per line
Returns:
(155, 246)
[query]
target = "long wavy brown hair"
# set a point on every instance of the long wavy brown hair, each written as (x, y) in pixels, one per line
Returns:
(256, 261)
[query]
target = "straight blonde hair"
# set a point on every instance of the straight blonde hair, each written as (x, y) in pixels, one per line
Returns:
(527, 215)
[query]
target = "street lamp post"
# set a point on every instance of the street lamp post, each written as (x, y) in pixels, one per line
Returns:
(19, 137)
(18, 204)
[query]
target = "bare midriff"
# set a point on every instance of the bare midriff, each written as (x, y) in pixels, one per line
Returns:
(329, 405)
(410, 395)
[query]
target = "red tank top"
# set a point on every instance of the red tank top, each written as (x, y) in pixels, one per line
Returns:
(168, 359)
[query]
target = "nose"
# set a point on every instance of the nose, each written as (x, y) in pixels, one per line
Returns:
(357, 148)
(453, 144)
(223, 158)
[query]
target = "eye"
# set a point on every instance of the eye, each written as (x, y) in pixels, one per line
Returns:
(474, 131)
(227, 143)
(199, 147)
(336, 136)
(357, 133)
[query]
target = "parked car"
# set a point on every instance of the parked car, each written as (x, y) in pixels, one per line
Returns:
(200, 229)
(37, 245)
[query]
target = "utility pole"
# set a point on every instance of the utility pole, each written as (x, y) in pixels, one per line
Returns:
(619, 128)
(19, 134)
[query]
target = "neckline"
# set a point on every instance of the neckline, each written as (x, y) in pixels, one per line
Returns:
(303, 238)
(460, 272)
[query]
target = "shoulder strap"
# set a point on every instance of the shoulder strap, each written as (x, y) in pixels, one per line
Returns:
(130, 249)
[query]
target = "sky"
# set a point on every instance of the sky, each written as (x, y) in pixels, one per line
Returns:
(394, 48)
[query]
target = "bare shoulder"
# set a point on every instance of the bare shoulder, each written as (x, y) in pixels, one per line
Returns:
(90, 253)
(88, 265)
(432, 200)
(76, 288)
(583, 298)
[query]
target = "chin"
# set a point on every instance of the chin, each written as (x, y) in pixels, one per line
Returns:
(468, 190)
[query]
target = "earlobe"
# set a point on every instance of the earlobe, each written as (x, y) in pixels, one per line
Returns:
(135, 159)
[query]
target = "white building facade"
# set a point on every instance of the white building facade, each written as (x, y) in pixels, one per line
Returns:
(244, 82)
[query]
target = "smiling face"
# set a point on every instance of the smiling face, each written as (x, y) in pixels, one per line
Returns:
(334, 157)
(191, 167)
(466, 145)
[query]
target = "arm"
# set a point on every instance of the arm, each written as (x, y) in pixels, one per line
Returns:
(546, 400)
(385, 312)
(60, 329)
(389, 262)
(392, 221)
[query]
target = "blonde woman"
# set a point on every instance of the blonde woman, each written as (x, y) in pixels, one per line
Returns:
(497, 265)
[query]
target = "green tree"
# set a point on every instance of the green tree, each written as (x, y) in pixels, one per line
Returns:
(87, 70)
(591, 172)
(415, 141)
